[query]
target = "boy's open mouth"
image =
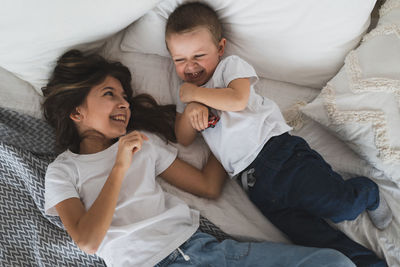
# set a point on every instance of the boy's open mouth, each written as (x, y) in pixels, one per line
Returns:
(194, 75)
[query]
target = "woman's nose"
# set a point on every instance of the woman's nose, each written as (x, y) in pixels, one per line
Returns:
(124, 103)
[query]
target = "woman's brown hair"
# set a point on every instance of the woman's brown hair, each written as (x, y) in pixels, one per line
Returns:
(73, 77)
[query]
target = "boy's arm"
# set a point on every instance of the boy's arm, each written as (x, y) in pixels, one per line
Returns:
(232, 98)
(194, 118)
(207, 183)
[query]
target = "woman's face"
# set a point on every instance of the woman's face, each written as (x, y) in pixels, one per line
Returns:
(105, 110)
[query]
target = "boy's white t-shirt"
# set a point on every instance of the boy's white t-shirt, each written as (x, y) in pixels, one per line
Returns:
(148, 223)
(239, 136)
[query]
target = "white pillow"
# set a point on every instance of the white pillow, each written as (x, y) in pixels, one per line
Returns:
(35, 33)
(19, 95)
(302, 42)
(151, 74)
(361, 104)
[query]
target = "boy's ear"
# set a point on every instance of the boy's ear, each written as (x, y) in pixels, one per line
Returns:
(75, 115)
(221, 47)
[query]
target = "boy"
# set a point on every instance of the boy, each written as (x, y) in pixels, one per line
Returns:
(288, 181)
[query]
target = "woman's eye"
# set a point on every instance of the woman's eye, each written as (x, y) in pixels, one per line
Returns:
(109, 93)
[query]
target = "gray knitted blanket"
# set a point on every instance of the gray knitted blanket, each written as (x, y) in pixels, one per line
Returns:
(29, 237)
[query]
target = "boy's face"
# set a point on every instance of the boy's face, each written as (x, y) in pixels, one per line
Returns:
(195, 54)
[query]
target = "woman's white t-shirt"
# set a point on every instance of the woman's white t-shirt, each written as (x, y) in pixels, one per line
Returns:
(239, 136)
(148, 223)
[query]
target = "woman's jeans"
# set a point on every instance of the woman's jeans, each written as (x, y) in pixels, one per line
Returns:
(296, 190)
(204, 250)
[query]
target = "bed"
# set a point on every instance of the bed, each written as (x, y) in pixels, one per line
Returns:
(333, 71)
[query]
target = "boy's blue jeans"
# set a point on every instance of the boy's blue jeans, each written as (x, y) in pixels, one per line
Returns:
(204, 250)
(296, 190)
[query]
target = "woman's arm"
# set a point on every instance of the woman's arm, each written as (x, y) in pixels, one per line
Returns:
(206, 183)
(184, 132)
(88, 228)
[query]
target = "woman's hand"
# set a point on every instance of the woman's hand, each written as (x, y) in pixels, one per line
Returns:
(128, 145)
(198, 115)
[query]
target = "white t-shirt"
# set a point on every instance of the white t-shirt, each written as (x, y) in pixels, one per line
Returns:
(239, 136)
(148, 223)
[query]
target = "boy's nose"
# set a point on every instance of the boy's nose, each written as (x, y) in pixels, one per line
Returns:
(190, 66)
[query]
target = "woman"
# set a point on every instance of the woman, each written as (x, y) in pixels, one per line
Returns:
(103, 185)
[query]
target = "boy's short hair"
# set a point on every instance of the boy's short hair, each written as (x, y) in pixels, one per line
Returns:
(191, 15)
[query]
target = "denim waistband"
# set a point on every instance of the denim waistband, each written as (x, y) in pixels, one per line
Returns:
(274, 144)
(278, 150)
(274, 153)
(177, 252)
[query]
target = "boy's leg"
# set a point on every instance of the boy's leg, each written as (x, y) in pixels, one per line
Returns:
(204, 250)
(308, 230)
(324, 193)
(300, 178)
(315, 187)
(295, 188)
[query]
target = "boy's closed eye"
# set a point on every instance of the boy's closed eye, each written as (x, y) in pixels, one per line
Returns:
(195, 56)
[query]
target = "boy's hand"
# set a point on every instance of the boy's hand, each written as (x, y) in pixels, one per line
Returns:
(198, 115)
(187, 92)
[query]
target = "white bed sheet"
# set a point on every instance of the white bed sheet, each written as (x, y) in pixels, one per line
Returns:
(233, 212)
